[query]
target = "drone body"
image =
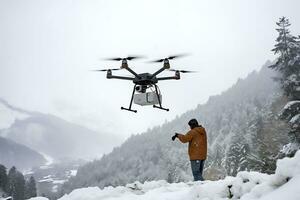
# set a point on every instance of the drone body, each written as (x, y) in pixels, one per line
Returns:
(145, 90)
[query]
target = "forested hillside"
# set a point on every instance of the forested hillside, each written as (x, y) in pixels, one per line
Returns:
(243, 134)
(14, 154)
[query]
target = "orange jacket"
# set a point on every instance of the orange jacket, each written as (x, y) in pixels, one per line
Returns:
(196, 138)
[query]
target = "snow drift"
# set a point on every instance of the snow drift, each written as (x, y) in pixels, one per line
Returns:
(284, 184)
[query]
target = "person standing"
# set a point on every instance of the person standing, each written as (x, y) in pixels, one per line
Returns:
(197, 148)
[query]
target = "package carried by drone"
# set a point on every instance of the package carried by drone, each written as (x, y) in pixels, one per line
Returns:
(147, 98)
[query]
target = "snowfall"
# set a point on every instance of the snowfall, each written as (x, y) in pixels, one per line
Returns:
(284, 184)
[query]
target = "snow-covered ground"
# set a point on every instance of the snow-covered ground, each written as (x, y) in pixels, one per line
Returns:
(284, 184)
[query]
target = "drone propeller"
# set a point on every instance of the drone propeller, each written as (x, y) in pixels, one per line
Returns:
(182, 71)
(169, 58)
(127, 58)
(105, 70)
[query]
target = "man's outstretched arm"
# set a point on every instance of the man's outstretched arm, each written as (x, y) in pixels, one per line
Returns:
(185, 138)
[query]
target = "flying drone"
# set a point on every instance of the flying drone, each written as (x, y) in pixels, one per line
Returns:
(145, 89)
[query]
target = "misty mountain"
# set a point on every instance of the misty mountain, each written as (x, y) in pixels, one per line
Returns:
(20, 156)
(52, 135)
(9, 114)
(243, 134)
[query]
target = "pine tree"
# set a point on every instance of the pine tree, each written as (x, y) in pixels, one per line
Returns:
(30, 188)
(20, 187)
(16, 184)
(3, 178)
(266, 162)
(11, 187)
(288, 64)
(237, 155)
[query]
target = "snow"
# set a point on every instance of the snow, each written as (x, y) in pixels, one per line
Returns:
(46, 180)
(5, 198)
(55, 188)
(48, 176)
(45, 167)
(59, 181)
(288, 167)
(51, 178)
(295, 119)
(290, 108)
(27, 172)
(73, 172)
(148, 190)
(284, 184)
(289, 148)
(39, 198)
(290, 104)
(289, 191)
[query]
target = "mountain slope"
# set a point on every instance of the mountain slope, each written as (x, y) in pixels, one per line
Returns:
(243, 134)
(52, 135)
(8, 114)
(20, 156)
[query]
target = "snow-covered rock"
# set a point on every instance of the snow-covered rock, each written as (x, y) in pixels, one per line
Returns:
(38, 198)
(289, 148)
(284, 184)
(289, 191)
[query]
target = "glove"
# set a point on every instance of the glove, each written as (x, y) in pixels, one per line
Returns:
(175, 136)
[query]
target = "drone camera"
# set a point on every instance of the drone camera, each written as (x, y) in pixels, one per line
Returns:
(141, 88)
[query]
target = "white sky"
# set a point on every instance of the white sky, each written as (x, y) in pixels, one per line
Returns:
(47, 48)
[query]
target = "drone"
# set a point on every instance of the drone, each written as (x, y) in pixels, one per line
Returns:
(145, 90)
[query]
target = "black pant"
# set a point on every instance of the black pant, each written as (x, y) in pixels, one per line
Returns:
(197, 169)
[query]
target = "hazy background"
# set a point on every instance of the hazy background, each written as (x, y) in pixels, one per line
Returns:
(48, 47)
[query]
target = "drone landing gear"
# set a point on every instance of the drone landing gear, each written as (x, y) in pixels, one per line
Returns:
(159, 107)
(159, 101)
(129, 109)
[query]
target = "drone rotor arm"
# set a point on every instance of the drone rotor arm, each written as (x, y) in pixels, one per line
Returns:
(168, 78)
(158, 72)
(120, 77)
(132, 72)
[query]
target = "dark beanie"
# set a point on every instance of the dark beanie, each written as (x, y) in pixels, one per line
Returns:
(193, 123)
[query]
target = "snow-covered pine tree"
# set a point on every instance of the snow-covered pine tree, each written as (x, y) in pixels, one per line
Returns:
(288, 64)
(30, 188)
(264, 155)
(237, 155)
(16, 184)
(11, 187)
